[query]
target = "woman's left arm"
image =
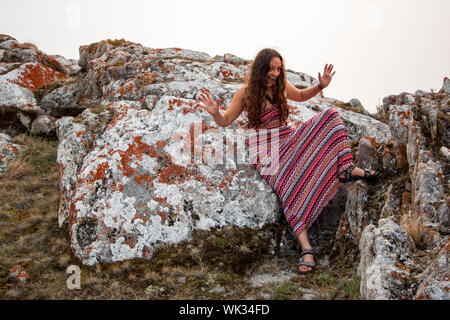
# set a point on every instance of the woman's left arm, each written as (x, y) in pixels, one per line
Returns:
(292, 93)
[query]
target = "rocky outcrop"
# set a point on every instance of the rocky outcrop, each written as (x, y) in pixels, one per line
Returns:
(143, 168)
(386, 255)
(25, 74)
(161, 168)
(420, 204)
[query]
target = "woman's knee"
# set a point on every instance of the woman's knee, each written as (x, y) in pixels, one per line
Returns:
(332, 112)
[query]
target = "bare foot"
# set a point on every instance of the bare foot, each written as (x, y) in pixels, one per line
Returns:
(360, 172)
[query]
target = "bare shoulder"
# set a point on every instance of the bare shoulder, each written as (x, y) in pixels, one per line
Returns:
(241, 91)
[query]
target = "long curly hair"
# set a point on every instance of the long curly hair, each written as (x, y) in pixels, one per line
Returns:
(255, 93)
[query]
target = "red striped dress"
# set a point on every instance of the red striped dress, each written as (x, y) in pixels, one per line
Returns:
(301, 163)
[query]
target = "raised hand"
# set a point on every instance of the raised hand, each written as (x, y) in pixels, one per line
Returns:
(325, 80)
(208, 103)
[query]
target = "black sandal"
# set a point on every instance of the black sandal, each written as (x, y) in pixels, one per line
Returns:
(349, 177)
(305, 263)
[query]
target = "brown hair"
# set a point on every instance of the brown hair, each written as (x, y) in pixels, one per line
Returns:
(255, 93)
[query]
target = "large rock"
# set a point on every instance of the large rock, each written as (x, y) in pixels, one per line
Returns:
(138, 188)
(77, 137)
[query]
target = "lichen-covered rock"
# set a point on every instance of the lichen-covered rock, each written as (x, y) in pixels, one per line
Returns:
(366, 155)
(8, 152)
(77, 137)
(24, 70)
(386, 258)
(427, 187)
(13, 95)
(357, 125)
(357, 213)
(399, 121)
(356, 104)
(435, 283)
(134, 190)
(43, 125)
(33, 75)
(145, 181)
(392, 203)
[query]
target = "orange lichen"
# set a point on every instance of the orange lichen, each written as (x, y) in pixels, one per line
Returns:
(136, 149)
(160, 200)
(342, 229)
(146, 251)
(19, 273)
(33, 76)
(187, 107)
(144, 178)
(372, 141)
(128, 87)
(29, 107)
(161, 144)
(118, 117)
(226, 73)
(148, 78)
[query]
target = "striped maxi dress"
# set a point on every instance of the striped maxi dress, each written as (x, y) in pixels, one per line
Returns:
(301, 163)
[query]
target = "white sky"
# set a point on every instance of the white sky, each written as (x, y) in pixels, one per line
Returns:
(378, 47)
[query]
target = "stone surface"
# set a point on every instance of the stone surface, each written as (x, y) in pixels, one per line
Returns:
(8, 152)
(435, 282)
(386, 254)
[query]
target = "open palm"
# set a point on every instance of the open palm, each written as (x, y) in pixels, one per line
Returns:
(325, 79)
(208, 103)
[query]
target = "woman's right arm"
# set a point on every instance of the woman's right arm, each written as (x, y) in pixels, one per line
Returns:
(233, 111)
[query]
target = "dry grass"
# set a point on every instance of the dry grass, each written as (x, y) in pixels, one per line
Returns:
(414, 227)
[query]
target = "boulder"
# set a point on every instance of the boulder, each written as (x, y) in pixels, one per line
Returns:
(138, 189)
(43, 125)
(386, 260)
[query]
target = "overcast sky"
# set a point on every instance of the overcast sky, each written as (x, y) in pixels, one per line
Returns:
(378, 47)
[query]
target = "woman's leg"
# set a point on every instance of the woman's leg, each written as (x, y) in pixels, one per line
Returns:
(304, 242)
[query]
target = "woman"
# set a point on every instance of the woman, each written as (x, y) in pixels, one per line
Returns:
(314, 158)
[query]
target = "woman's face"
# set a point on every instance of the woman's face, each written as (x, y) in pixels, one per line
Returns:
(274, 72)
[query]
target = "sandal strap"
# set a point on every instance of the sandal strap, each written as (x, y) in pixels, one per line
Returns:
(307, 264)
(307, 251)
(347, 174)
(349, 170)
